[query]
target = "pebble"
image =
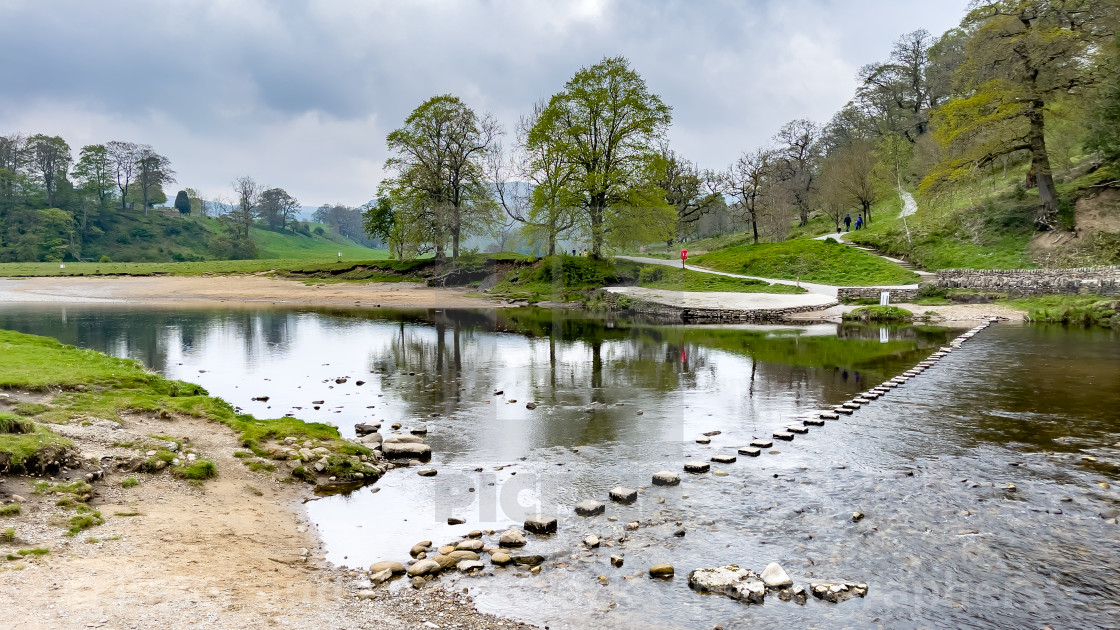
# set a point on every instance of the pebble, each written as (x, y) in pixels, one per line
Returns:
(512, 538)
(591, 542)
(616, 561)
(661, 570)
(427, 472)
(500, 558)
(774, 576)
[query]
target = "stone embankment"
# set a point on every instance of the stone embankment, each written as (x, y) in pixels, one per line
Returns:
(906, 294)
(1104, 281)
(679, 312)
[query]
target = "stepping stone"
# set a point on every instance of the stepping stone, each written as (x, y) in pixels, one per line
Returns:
(724, 459)
(869, 396)
(697, 467)
(844, 410)
(750, 451)
(783, 435)
(590, 508)
(851, 404)
(624, 495)
(861, 400)
(666, 478)
(814, 422)
(829, 415)
(703, 439)
(793, 428)
(540, 524)
(762, 443)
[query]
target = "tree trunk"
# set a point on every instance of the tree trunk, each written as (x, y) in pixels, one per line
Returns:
(866, 212)
(596, 230)
(804, 216)
(1040, 167)
(552, 244)
(754, 227)
(455, 244)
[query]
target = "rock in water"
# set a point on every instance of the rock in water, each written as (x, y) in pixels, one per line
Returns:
(697, 467)
(381, 577)
(591, 542)
(731, 581)
(750, 451)
(470, 565)
(616, 561)
(724, 459)
(540, 524)
(395, 567)
(427, 472)
(590, 508)
(452, 520)
(624, 495)
(500, 559)
(666, 478)
(836, 592)
(424, 567)
(661, 571)
(512, 538)
(774, 576)
(406, 450)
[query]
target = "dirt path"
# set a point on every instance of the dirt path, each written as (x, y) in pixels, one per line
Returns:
(232, 289)
(234, 552)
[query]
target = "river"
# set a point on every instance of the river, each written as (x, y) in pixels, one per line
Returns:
(981, 480)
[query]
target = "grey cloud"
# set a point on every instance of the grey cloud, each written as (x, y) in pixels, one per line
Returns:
(301, 94)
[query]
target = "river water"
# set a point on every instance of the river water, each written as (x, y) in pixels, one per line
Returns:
(981, 480)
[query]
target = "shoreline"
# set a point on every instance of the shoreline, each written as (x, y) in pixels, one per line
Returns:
(248, 290)
(95, 535)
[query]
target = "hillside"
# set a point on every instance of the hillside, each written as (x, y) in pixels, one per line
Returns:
(989, 225)
(170, 237)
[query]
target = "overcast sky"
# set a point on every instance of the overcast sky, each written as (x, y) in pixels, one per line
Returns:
(301, 94)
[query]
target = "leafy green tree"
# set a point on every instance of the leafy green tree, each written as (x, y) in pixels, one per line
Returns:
(541, 201)
(378, 219)
(439, 157)
(608, 125)
(94, 172)
(50, 159)
(182, 202)
(278, 208)
(13, 160)
(152, 172)
(1103, 125)
(853, 175)
(1022, 57)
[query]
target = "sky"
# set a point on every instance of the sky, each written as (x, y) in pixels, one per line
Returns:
(301, 94)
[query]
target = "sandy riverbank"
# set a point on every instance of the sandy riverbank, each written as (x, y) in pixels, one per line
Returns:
(234, 552)
(154, 290)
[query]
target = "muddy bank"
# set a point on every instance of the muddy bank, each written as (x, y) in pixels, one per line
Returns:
(235, 551)
(255, 290)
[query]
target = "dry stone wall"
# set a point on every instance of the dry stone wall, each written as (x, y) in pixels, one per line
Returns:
(1028, 282)
(872, 293)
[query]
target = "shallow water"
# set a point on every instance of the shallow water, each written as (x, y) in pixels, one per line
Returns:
(945, 542)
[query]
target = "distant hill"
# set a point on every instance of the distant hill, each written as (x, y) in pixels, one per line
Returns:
(167, 236)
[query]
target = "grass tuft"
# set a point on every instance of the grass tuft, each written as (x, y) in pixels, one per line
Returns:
(198, 471)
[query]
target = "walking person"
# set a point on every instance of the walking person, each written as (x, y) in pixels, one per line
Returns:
(859, 222)
(847, 222)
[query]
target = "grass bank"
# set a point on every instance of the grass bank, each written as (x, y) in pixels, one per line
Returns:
(1084, 310)
(94, 385)
(878, 313)
(824, 262)
(572, 278)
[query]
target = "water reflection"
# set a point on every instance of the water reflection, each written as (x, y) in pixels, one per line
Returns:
(945, 543)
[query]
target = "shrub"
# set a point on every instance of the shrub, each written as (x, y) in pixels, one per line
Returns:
(105, 259)
(652, 274)
(198, 471)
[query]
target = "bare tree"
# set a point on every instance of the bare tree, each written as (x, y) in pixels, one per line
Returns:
(747, 181)
(853, 178)
(799, 156)
(248, 198)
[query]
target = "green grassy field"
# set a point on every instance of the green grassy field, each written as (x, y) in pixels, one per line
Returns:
(209, 267)
(274, 245)
(668, 278)
(825, 262)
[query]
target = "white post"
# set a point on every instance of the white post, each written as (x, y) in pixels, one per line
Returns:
(884, 298)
